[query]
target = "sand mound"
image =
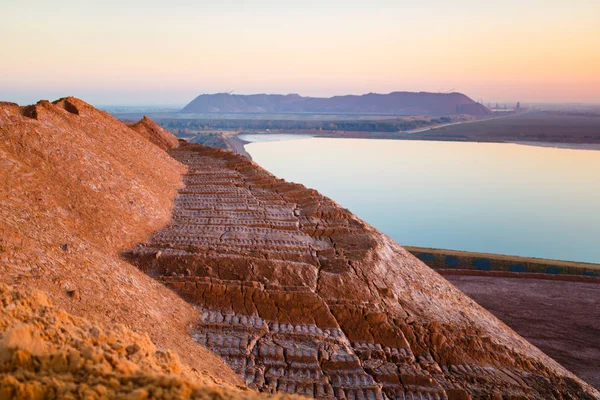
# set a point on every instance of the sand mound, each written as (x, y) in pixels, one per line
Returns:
(155, 133)
(76, 187)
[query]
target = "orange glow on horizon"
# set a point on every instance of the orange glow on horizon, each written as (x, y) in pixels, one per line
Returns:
(543, 51)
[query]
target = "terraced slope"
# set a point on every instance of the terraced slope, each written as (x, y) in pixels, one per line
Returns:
(300, 296)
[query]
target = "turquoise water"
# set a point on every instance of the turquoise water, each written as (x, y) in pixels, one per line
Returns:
(485, 197)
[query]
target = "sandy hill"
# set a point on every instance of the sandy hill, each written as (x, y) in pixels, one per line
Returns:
(155, 133)
(396, 103)
(78, 186)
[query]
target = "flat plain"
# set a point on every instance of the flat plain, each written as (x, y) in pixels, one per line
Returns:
(561, 318)
(535, 126)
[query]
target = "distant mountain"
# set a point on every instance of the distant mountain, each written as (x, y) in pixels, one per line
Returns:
(396, 103)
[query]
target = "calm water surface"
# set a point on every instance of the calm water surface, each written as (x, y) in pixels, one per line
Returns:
(497, 198)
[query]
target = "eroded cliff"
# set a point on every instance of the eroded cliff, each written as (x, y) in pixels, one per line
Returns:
(300, 296)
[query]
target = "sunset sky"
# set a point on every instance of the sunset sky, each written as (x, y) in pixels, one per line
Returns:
(168, 52)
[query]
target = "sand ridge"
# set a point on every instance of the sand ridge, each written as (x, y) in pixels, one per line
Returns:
(76, 187)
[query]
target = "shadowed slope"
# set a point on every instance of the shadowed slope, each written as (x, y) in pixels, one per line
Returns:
(301, 296)
(76, 187)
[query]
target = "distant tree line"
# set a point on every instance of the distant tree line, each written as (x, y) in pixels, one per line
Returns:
(187, 125)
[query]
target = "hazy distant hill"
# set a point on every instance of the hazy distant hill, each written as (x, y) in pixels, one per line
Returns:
(396, 103)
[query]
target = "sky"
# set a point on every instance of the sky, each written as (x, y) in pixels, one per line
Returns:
(167, 52)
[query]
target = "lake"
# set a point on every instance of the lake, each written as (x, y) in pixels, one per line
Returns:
(483, 197)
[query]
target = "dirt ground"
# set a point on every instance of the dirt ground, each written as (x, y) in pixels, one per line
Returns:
(539, 126)
(561, 318)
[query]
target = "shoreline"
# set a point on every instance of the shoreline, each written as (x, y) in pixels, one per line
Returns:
(507, 257)
(237, 145)
(457, 262)
(560, 145)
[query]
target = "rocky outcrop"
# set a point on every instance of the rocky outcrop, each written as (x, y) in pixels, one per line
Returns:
(155, 133)
(396, 103)
(78, 186)
(298, 295)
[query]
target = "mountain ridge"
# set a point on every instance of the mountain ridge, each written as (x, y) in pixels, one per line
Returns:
(394, 103)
